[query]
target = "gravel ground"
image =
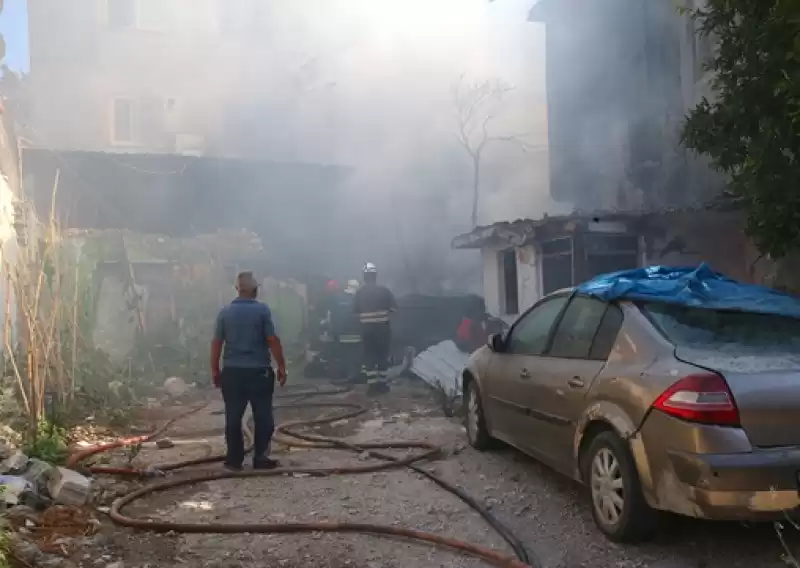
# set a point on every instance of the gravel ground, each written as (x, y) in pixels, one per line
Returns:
(550, 514)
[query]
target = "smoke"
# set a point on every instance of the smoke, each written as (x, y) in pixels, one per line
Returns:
(363, 84)
(622, 74)
(385, 107)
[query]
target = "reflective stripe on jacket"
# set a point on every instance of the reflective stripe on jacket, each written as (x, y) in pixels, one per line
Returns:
(380, 316)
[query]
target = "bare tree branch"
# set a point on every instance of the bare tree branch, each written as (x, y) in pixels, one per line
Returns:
(476, 106)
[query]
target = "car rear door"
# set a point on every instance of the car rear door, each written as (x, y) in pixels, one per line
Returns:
(576, 355)
(510, 372)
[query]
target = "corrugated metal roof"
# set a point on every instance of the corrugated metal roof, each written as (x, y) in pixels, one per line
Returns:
(521, 231)
(441, 366)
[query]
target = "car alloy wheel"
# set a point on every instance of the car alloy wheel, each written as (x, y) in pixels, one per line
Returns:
(474, 419)
(618, 503)
(607, 487)
(473, 415)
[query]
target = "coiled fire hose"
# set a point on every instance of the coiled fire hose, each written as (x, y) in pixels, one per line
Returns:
(286, 434)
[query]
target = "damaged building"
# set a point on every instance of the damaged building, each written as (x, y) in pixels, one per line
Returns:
(135, 105)
(526, 259)
(621, 76)
(152, 155)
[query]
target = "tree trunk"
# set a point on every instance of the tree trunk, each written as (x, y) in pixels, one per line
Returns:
(476, 184)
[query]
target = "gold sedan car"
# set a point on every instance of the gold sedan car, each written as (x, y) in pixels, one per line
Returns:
(653, 406)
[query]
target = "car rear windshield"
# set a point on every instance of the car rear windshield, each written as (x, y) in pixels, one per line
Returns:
(725, 330)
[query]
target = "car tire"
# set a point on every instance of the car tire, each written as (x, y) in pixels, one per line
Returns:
(618, 505)
(475, 419)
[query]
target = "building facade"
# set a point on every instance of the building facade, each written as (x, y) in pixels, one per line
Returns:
(151, 115)
(155, 76)
(525, 260)
(621, 76)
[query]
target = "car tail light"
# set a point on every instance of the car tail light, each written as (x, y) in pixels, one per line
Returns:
(703, 398)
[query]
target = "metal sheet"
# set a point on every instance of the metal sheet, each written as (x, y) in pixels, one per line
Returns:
(440, 366)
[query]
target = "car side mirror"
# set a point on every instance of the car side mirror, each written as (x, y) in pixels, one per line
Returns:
(496, 342)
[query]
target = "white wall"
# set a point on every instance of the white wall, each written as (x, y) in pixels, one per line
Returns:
(491, 281)
(8, 258)
(528, 280)
(528, 277)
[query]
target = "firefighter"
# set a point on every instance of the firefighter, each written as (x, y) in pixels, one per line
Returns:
(347, 328)
(373, 303)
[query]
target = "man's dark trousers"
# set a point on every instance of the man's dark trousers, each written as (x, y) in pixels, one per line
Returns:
(240, 387)
(377, 338)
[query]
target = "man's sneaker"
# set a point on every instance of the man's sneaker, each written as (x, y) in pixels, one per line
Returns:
(265, 463)
(232, 468)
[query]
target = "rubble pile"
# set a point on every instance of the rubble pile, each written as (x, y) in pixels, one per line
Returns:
(44, 509)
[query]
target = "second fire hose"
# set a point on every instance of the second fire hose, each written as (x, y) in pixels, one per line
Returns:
(288, 434)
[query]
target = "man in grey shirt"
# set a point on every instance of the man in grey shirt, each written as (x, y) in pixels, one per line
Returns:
(246, 332)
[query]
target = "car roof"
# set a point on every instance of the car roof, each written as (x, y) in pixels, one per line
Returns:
(572, 290)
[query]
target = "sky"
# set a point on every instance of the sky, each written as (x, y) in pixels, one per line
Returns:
(14, 27)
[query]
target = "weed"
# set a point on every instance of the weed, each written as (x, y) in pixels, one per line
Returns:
(48, 444)
(132, 453)
(5, 549)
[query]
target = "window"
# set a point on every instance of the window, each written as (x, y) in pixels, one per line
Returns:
(577, 329)
(121, 13)
(123, 129)
(140, 14)
(556, 264)
(530, 334)
(606, 335)
(724, 331)
(241, 17)
(610, 253)
(510, 282)
(154, 14)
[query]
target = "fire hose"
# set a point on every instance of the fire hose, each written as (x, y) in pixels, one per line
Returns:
(288, 435)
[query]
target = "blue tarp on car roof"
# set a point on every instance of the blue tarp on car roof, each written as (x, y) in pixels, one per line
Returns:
(698, 287)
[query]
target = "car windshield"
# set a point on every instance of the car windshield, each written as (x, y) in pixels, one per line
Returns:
(723, 330)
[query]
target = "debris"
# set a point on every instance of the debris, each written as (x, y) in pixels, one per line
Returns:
(24, 550)
(6, 450)
(175, 387)
(440, 366)
(119, 564)
(69, 487)
(21, 515)
(61, 525)
(116, 388)
(14, 464)
(12, 488)
(165, 444)
(377, 388)
(38, 473)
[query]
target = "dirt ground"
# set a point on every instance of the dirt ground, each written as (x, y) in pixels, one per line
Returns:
(550, 514)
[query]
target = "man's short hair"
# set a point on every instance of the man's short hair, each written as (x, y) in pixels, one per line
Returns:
(246, 282)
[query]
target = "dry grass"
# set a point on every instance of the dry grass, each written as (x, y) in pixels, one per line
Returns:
(41, 330)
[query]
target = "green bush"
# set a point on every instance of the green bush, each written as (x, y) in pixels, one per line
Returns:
(48, 444)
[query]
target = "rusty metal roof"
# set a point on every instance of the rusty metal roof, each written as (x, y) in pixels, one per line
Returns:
(522, 231)
(517, 233)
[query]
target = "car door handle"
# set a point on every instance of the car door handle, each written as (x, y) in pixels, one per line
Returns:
(524, 374)
(576, 383)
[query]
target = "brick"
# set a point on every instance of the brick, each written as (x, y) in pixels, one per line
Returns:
(69, 487)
